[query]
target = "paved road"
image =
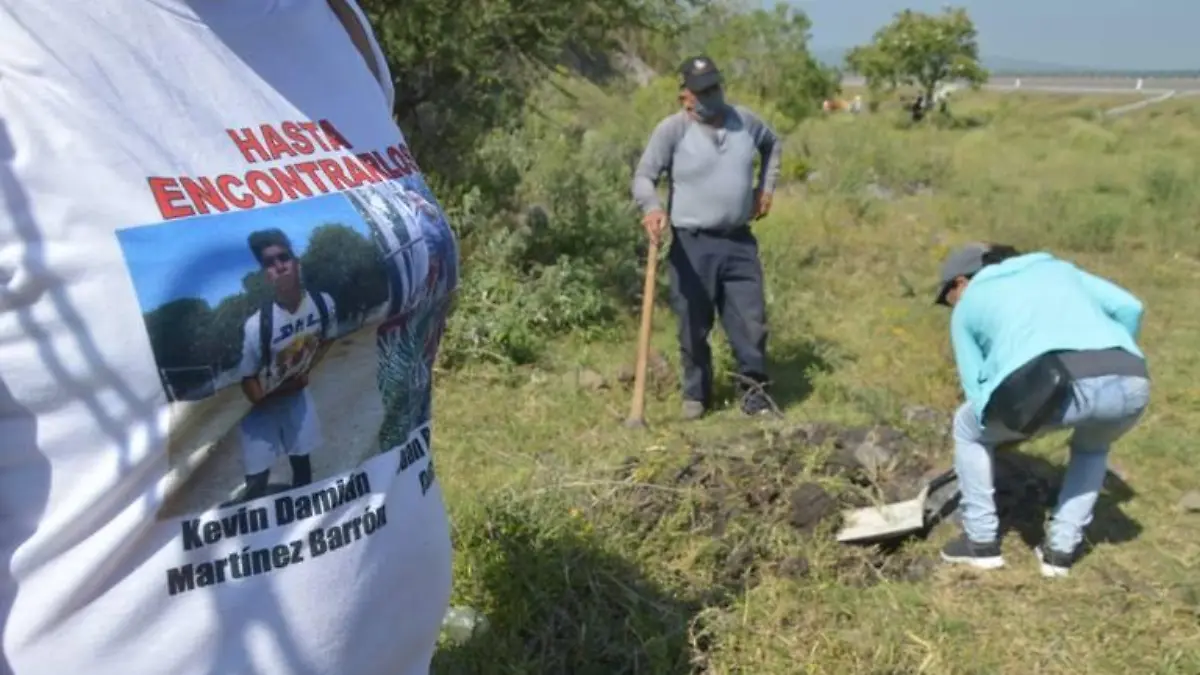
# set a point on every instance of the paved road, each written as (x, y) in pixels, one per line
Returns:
(1082, 85)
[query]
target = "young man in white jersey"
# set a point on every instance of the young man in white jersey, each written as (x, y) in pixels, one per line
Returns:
(282, 342)
(141, 143)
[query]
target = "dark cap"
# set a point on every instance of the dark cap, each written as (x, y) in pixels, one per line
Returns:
(699, 73)
(965, 262)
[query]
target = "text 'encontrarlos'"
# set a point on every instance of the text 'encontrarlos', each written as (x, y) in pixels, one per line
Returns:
(185, 196)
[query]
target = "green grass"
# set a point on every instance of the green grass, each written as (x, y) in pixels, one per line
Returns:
(588, 562)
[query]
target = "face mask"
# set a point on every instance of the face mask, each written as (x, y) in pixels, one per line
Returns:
(709, 105)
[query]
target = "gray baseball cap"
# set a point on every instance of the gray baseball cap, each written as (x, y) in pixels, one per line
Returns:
(964, 262)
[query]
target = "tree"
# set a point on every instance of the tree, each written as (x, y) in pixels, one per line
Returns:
(224, 337)
(177, 332)
(346, 265)
(923, 50)
(765, 52)
(463, 68)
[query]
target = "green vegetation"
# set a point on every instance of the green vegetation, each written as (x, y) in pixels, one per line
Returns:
(922, 50)
(702, 548)
(531, 132)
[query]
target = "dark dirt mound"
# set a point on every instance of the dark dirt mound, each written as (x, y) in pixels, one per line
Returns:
(798, 478)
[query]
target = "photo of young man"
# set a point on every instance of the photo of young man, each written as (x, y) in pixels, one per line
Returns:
(282, 342)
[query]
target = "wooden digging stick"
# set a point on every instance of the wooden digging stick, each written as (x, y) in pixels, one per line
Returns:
(637, 406)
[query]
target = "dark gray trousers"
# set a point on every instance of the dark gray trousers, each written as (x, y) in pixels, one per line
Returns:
(718, 273)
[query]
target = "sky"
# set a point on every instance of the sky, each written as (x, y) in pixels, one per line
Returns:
(207, 256)
(1109, 34)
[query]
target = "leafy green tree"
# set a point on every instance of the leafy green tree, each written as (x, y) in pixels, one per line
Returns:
(346, 265)
(179, 338)
(223, 335)
(463, 68)
(765, 53)
(177, 332)
(922, 50)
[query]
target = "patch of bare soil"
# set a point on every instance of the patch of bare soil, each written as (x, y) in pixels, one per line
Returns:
(661, 378)
(742, 490)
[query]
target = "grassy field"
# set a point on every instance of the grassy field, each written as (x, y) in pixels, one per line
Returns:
(703, 547)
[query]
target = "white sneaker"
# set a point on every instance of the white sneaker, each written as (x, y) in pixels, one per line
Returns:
(1054, 564)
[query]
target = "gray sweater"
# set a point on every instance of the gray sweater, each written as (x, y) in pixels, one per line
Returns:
(711, 169)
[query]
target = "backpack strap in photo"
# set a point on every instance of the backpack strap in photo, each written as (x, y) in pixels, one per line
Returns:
(266, 318)
(323, 310)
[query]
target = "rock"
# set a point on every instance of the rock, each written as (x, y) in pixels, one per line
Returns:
(632, 65)
(762, 496)
(461, 624)
(658, 369)
(918, 187)
(810, 504)
(871, 457)
(589, 379)
(877, 191)
(659, 374)
(918, 569)
(1190, 502)
(625, 375)
(795, 567)
(919, 414)
(1186, 599)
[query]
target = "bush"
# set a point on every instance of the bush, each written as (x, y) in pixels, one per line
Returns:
(561, 250)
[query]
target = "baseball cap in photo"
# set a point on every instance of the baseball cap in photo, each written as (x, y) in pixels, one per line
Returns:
(964, 262)
(699, 73)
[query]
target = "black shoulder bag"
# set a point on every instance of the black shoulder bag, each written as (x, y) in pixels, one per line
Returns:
(1030, 397)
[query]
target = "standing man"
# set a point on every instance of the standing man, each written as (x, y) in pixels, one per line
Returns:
(707, 149)
(282, 342)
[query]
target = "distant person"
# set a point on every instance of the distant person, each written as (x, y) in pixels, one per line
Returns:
(918, 108)
(708, 149)
(1040, 345)
(281, 343)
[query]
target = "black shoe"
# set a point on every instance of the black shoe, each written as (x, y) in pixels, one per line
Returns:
(1054, 563)
(301, 470)
(981, 556)
(756, 403)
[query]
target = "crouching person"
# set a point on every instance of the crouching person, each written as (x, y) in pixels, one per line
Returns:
(1040, 345)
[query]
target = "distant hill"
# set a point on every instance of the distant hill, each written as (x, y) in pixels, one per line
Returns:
(835, 57)
(1001, 65)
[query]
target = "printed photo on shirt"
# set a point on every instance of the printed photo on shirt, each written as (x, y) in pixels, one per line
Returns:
(260, 321)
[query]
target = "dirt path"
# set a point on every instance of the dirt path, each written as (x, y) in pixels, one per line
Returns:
(1138, 105)
(343, 387)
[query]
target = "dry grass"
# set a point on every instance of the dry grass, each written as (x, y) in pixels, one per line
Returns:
(589, 562)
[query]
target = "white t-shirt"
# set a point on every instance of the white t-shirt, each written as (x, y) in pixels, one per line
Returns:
(292, 343)
(144, 144)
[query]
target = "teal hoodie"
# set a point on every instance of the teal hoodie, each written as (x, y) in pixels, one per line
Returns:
(1016, 310)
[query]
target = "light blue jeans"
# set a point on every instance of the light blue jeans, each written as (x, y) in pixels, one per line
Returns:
(1102, 410)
